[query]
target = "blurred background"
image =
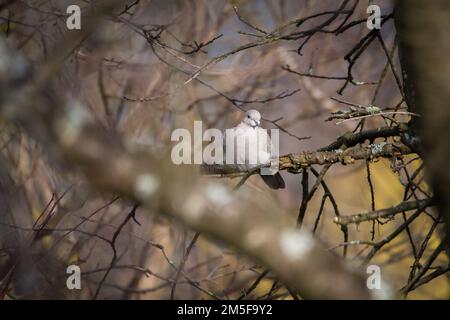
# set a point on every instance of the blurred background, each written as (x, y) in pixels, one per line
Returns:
(134, 76)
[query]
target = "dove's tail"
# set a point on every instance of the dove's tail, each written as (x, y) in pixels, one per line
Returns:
(275, 181)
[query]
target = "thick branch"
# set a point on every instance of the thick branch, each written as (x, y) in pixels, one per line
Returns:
(352, 139)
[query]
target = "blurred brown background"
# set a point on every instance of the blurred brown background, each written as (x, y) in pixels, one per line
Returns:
(138, 92)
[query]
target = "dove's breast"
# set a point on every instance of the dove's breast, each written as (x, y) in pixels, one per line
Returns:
(248, 145)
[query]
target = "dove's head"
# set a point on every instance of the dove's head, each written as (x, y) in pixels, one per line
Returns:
(252, 118)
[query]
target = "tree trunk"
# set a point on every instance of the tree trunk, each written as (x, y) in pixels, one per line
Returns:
(423, 30)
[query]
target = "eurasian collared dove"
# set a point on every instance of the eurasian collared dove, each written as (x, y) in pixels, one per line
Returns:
(252, 150)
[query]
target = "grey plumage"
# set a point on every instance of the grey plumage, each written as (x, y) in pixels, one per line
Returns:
(258, 138)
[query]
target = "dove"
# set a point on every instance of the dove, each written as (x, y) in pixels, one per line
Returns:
(251, 147)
